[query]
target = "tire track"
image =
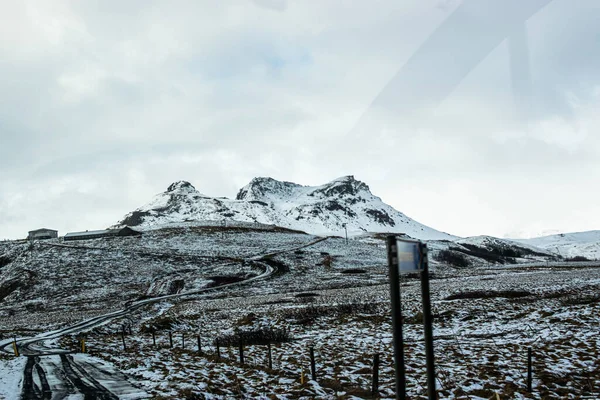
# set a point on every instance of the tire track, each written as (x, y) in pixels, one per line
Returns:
(46, 392)
(30, 388)
(85, 374)
(78, 378)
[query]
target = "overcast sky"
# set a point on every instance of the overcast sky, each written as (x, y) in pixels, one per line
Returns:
(104, 103)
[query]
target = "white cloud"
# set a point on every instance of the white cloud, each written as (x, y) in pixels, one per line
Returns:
(104, 104)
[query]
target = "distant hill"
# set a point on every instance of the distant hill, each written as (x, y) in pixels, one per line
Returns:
(576, 244)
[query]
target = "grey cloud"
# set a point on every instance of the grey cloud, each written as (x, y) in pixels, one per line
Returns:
(122, 99)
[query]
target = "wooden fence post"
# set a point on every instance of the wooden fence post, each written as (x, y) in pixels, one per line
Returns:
(313, 369)
(199, 345)
(170, 339)
(241, 352)
(182, 340)
(270, 356)
(15, 347)
(153, 339)
(123, 340)
(218, 351)
(529, 370)
(375, 386)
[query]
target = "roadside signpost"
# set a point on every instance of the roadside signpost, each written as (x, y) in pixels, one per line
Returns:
(410, 256)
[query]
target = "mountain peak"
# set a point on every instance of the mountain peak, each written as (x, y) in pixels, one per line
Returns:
(181, 186)
(345, 178)
(344, 186)
(262, 187)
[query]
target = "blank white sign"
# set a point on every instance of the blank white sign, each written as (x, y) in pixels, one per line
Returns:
(409, 256)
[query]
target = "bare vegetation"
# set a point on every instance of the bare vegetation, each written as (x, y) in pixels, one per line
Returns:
(453, 258)
(312, 302)
(260, 336)
(485, 294)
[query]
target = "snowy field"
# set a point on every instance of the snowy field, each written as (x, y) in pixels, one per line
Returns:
(11, 374)
(330, 296)
(484, 324)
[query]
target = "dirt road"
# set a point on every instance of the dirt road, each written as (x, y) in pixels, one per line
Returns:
(55, 373)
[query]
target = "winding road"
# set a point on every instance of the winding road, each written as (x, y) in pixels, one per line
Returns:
(55, 373)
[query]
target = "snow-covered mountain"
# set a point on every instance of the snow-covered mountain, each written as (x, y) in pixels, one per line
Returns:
(582, 244)
(322, 210)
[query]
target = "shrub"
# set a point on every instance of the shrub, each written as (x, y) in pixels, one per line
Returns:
(577, 258)
(159, 324)
(453, 258)
(189, 394)
(4, 260)
(306, 294)
(327, 261)
(354, 271)
(489, 294)
(581, 299)
(305, 315)
(505, 251)
(260, 336)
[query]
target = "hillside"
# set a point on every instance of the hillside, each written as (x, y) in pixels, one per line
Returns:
(329, 209)
(582, 244)
(271, 286)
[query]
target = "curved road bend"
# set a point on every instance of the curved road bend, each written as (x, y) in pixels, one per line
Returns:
(54, 373)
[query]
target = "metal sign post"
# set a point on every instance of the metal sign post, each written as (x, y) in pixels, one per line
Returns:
(405, 256)
(428, 326)
(392, 248)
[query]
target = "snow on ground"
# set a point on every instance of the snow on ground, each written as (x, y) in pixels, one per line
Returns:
(332, 295)
(584, 244)
(51, 283)
(493, 241)
(92, 277)
(11, 375)
(485, 319)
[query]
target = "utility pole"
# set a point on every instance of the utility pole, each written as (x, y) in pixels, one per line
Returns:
(346, 230)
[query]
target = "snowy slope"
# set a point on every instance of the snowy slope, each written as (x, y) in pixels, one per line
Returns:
(321, 210)
(585, 244)
(494, 242)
